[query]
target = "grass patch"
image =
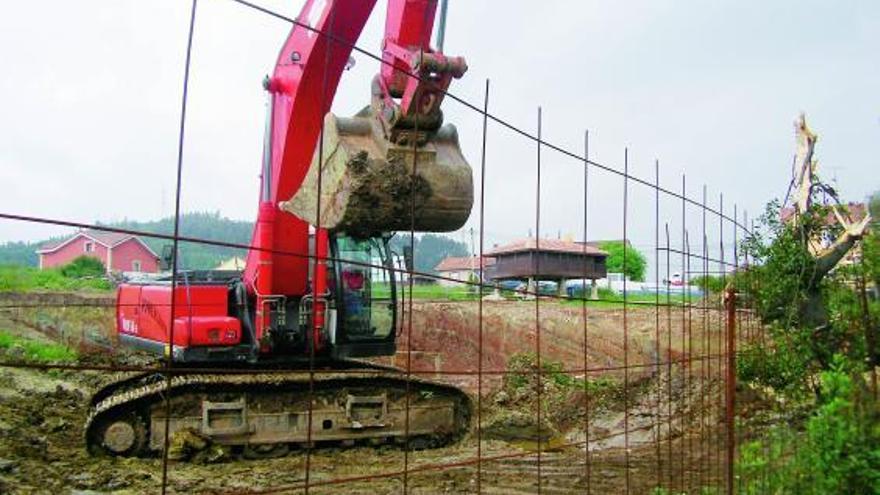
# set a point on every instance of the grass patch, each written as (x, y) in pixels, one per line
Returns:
(30, 279)
(429, 292)
(36, 351)
(609, 298)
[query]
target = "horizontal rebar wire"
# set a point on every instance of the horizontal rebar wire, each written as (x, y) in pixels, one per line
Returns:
(421, 301)
(379, 370)
(691, 255)
(685, 304)
(234, 245)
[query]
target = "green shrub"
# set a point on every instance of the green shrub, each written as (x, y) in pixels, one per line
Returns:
(782, 365)
(84, 266)
(838, 452)
(709, 283)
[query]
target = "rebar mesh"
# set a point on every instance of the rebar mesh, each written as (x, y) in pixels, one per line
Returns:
(668, 357)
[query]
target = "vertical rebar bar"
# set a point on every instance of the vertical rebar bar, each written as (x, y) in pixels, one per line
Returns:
(686, 300)
(669, 419)
(409, 346)
(657, 371)
(584, 308)
(731, 357)
(482, 279)
(706, 341)
(537, 271)
(731, 383)
(686, 357)
(721, 334)
(625, 329)
(169, 361)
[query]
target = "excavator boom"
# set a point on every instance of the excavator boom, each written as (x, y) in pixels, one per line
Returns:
(405, 115)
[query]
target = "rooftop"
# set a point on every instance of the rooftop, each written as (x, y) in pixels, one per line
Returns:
(454, 263)
(108, 239)
(549, 245)
(857, 212)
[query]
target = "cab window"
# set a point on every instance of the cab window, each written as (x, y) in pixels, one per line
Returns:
(365, 304)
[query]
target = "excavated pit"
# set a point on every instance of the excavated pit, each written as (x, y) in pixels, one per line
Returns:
(42, 412)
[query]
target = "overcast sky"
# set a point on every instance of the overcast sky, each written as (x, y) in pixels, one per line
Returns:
(90, 94)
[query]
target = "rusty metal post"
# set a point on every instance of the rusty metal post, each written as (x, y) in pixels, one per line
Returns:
(730, 302)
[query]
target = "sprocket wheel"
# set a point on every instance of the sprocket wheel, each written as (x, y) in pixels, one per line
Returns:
(124, 435)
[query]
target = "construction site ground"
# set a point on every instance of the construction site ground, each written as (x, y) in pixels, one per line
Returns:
(42, 411)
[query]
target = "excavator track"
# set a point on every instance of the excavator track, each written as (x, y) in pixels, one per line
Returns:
(261, 411)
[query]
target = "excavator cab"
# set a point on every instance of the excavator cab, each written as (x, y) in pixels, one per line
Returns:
(363, 291)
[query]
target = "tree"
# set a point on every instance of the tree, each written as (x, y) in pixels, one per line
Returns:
(798, 294)
(430, 249)
(19, 253)
(635, 260)
(711, 284)
(820, 324)
(871, 242)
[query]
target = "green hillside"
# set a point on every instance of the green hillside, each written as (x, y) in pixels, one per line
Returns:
(202, 225)
(429, 249)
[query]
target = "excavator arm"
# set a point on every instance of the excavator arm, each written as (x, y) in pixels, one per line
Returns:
(406, 110)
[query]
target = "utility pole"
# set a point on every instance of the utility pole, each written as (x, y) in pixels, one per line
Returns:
(473, 252)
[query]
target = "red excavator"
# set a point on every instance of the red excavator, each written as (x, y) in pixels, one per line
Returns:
(273, 351)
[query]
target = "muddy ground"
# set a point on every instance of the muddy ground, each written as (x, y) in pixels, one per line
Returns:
(42, 414)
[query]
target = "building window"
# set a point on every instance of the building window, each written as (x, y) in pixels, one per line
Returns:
(136, 265)
(89, 247)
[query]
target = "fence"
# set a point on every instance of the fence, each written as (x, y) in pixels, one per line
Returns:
(613, 394)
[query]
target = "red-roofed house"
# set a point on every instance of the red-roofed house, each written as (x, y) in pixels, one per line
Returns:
(463, 268)
(119, 252)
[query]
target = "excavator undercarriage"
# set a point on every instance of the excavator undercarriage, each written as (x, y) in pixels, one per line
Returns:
(269, 412)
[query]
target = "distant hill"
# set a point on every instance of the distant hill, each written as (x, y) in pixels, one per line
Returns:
(20, 253)
(430, 249)
(202, 225)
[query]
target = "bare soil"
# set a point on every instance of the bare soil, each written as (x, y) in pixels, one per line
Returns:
(42, 414)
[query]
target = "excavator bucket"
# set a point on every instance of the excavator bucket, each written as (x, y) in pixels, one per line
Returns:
(370, 185)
